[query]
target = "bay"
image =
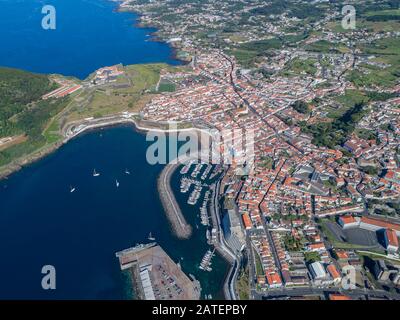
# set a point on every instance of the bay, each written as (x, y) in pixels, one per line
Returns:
(89, 34)
(42, 223)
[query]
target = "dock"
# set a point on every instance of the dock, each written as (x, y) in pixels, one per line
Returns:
(155, 276)
(175, 216)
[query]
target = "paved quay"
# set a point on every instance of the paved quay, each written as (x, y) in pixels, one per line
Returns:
(174, 214)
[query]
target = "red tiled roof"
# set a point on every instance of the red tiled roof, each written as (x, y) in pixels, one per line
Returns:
(333, 271)
(246, 221)
(273, 278)
(347, 219)
(380, 223)
(334, 296)
(392, 237)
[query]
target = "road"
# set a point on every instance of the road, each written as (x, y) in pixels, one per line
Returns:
(223, 248)
(297, 292)
(265, 225)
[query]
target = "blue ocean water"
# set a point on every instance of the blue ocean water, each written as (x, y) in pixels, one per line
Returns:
(89, 34)
(43, 223)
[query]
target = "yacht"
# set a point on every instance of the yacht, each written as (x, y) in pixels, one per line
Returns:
(72, 189)
(117, 183)
(150, 237)
(95, 174)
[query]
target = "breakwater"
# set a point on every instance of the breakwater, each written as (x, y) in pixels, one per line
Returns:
(174, 214)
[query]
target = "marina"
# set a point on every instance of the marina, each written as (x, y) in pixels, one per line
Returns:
(113, 219)
(217, 170)
(186, 183)
(197, 170)
(206, 262)
(189, 179)
(206, 172)
(203, 210)
(195, 195)
(92, 217)
(185, 169)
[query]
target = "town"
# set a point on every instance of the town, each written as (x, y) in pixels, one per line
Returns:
(313, 211)
(321, 196)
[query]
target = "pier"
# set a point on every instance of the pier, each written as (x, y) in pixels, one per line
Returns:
(156, 276)
(174, 214)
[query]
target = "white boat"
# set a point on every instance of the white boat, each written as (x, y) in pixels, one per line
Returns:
(72, 189)
(127, 172)
(117, 183)
(206, 262)
(95, 174)
(150, 237)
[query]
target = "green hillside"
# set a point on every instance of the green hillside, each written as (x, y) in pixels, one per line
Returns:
(18, 89)
(23, 112)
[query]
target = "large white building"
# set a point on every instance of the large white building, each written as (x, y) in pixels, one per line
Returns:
(319, 274)
(375, 224)
(317, 270)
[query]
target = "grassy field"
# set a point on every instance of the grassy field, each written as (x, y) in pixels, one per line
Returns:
(41, 122)
(259, 267)
(106, 101)
(244, 57)
(311, 257)
(376, 21)
(375, 26)
(376, 256)
(348, 100)
(301, 66)
(52, 132)
(242, 285)
(325, 46)
(166, 87)
(387, 51)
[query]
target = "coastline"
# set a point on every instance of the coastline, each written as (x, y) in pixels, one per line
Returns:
(154, 35)
(141, 126)
(179, 225)
(18, 164)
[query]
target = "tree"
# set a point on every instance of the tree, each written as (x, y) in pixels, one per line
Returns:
(301, 107)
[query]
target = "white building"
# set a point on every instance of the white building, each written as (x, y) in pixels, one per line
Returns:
(319, 275)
